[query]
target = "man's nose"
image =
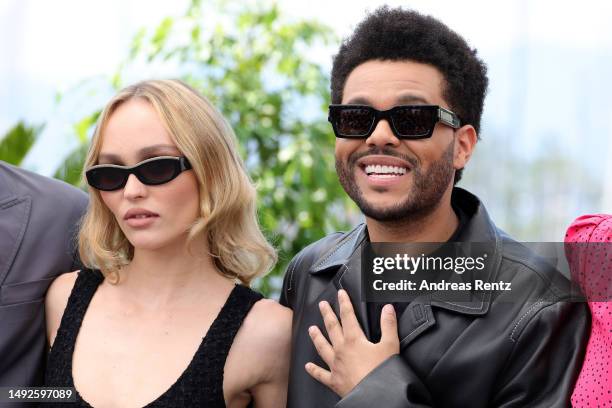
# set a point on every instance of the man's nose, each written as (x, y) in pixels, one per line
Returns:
(134, 188)
(382, 135)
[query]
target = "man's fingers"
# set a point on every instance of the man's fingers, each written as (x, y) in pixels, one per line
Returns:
(321, 375)
(331, 323)
(388, 326)
(324, 349)
(350, 324)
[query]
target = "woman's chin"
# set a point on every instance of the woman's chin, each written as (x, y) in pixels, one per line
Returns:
(147, 245)
(155, 244)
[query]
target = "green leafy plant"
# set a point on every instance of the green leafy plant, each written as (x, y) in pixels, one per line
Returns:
(17, 142)
(71, 169)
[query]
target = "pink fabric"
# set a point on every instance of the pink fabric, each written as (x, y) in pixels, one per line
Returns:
(591, 266)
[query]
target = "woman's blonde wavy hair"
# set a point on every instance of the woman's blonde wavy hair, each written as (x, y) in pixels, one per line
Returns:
(228, 218)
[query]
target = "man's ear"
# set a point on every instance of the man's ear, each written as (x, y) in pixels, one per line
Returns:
(465, 142)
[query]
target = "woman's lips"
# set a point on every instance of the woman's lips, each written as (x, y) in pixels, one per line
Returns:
(140, 217)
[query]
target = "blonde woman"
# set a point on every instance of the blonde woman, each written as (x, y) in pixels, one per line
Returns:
(163, 316)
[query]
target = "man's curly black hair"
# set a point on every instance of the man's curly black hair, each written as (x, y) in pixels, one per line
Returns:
(398, 34)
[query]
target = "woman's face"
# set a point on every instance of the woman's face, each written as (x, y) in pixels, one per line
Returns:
(151, 217)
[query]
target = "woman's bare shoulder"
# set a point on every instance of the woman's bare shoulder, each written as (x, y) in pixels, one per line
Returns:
(56, 301)
(258, 362)
(61, 287)
(267, 329)
(270, 320)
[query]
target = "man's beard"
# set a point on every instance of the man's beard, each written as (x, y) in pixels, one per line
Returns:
(424, 195)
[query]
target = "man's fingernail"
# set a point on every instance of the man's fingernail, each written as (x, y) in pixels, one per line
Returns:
(389, 309)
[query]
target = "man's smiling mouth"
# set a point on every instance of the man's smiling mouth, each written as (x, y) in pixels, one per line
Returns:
(384, 171)
(383, 167)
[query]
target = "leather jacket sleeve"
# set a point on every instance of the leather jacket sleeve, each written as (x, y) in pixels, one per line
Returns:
(546, 360)
(392, 384)
(288, 283)
(540, 372)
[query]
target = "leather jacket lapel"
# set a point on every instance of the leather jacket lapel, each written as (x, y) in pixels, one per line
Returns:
(418, 315)
(350, 280)
(417, 318)
(345, 259)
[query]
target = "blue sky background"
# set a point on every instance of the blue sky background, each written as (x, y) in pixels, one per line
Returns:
(550, 65)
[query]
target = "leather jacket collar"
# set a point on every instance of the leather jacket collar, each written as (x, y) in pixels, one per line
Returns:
(344, 257)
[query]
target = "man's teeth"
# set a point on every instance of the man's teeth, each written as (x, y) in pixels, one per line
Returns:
(378, 169)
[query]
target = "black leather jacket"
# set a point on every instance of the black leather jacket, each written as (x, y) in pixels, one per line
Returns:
(491, 353)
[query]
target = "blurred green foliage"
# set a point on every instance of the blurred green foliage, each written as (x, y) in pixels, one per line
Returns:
(71, 169)
(17, 142)
(252, 63)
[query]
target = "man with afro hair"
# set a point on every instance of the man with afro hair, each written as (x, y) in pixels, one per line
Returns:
(407, 100)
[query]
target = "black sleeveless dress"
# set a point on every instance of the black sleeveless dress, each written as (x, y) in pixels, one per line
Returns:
(200, 385)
